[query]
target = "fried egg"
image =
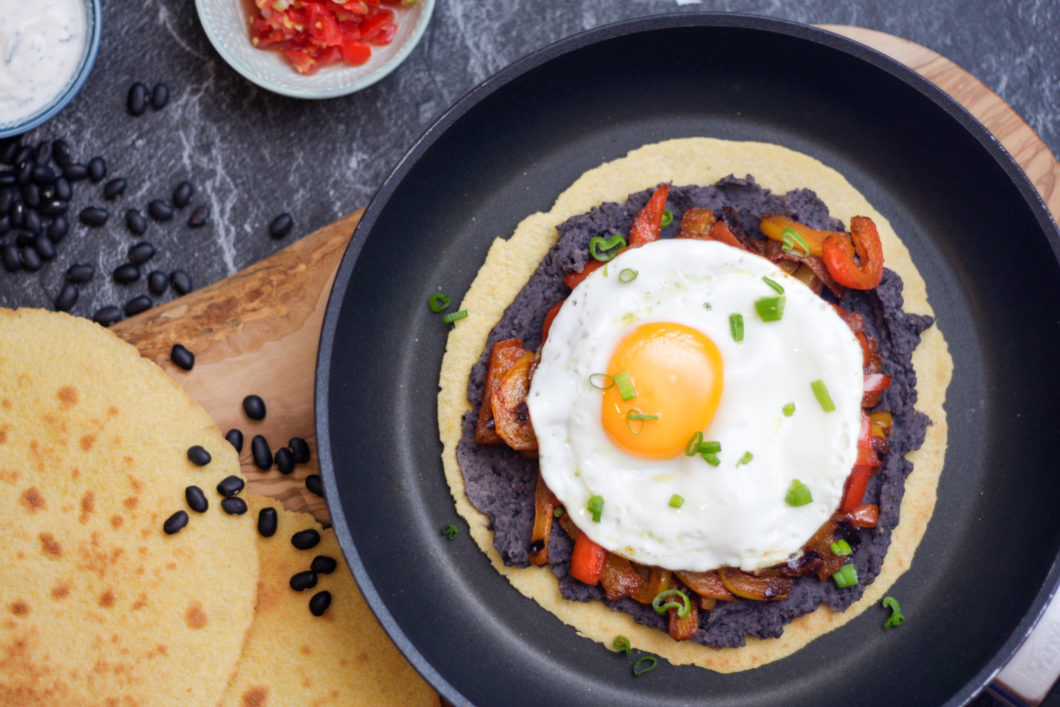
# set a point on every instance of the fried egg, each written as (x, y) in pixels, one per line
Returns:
(683, 416)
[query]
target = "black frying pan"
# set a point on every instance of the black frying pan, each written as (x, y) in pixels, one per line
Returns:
(974, 224)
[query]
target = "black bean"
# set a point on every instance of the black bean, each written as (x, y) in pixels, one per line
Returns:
(53, 207)
(230, 486)
(303, 581)
(141, 252)
(114, 188)
(7, 196)
(9, 256)
(315, 484)
(8, 178)
(126, 273)
(199, 216)
(284, 460)
(97, 169)
(300, 448)
(196, 499)
(183, 358)
(254, 407)
(61, 152)
(43, 153)
(44, 175)
(23, 239)
(30, 259)
(25, 153)
(234, 506)
(198, 455)
(67, 297)
(159, 210)
(93, 216)
(320, 603)
(107, 315)
(17, 213)
(305, 539)
(139, 303)
(322, 564)
(5, 224)
(47, 193)
(181, 282)
(259, 449)
(136, 101)
(281, 225)
(235, 438)
(80, 273)
(175, 523)
(44, 246)
(24, 171)
(135, 222)
(63, 190)
(157, 282)
(31, 221)
(75, 171)
(159, 96)
(9, 149)
(267, 522)
(182, 194)
(30, 194)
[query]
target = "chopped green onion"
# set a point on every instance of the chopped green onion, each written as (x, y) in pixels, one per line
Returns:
(745, 459)
(770, 309)
(846, 576)
(789, 409)
(706, 306)
(453, 316)
(710, 458)
(605, 270)
(625, 385)
(601, 381)
(596, 507)
(841, 548)
(789, 239)
(682, 608)
(799, 494)
(712, 447)
(603, 249)
(450, 531)
(627, 275)
(692, 447)
(635, 415)
(820, 391)
(557, 512)
(644, 664)
(621, 644)
(774, 284)
(736, 327)
(676, 501)
(438, 302)
(896, 618)
(667, 218)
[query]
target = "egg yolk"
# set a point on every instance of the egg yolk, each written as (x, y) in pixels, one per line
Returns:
(676, 373)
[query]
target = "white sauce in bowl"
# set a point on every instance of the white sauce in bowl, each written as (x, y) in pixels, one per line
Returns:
(41, 46)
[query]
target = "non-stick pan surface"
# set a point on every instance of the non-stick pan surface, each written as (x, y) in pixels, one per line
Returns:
(976, 229)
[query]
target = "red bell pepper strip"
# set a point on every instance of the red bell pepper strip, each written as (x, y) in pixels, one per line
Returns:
(875, 384)
(867, 515)
(838, 255)
(587, 560)
(573, 279)
(866, 452)
(548, 320)
(647, 224)
(856, 484)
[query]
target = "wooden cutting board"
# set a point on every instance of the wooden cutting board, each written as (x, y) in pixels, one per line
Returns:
(258, 330)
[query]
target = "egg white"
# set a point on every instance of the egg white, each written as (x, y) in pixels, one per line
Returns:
(733, 514)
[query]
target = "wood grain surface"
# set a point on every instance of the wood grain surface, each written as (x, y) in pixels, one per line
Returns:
(258, 330)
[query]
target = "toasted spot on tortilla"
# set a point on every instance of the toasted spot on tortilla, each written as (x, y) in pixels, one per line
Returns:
(68, 395)
(33, 499)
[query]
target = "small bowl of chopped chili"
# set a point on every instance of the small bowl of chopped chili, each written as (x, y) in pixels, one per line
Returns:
(314, 49)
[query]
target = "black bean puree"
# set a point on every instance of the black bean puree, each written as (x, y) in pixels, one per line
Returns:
(500, 482)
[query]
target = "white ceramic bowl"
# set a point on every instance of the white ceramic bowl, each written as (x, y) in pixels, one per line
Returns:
(226, 26)
(25, 123)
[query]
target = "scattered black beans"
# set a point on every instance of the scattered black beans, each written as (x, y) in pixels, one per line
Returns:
(267, 521)
(199, 216)
(300, 448)
(139, 303)
(9, 150)
(281, 225)
(126, 273)
(31, 261)
(97, 169)
(135, 222)
(75, 171)
(94, 216)
(175, 523)
(234, 506)
(181, 282)
(196, 499)
(320, 603)
(303, 581)
(183, 358)
(53, 207)
(58, 229)
(305, 539)
(198, 455)
(235, 438)
(259, 449)
(322, 564)
(80, 273)
(182, 194)
(114, 188)
(67, 297)
(159, 96)
(141, 252)
(30, 194)
(107, 315)
(44, 246)
(43, 175)
(315, 485)
(254, 407)
(230, 486)
(17, 214)
(136, 102)
(24, 172)
(9, 256)
(43, 153)
(63, 190)
(159, 210)
(61, 152)
(284, 460)
(32, 223)
(157, 282)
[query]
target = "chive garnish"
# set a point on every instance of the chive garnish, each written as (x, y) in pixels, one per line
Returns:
(682, 608)
(789, 409)
(453, 316)
(745, 459)
(601, 381)
(706, 306)
(603, 249)
(820, 391)
(621, 644)
(841, 548)
(644, 664)
(846, 576)
(625, 385)
(676, 501)
(450, 531)
(710, 458)
(667, 218)
(627, 275)
(798, 494)
(711, 447)
(635, 415)
(896, 618)
(595, 507)
(770, 309)
(789, 239)
(557, 512)
(438, 302)
(777, 287)
(736, 327)
(692, 448)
